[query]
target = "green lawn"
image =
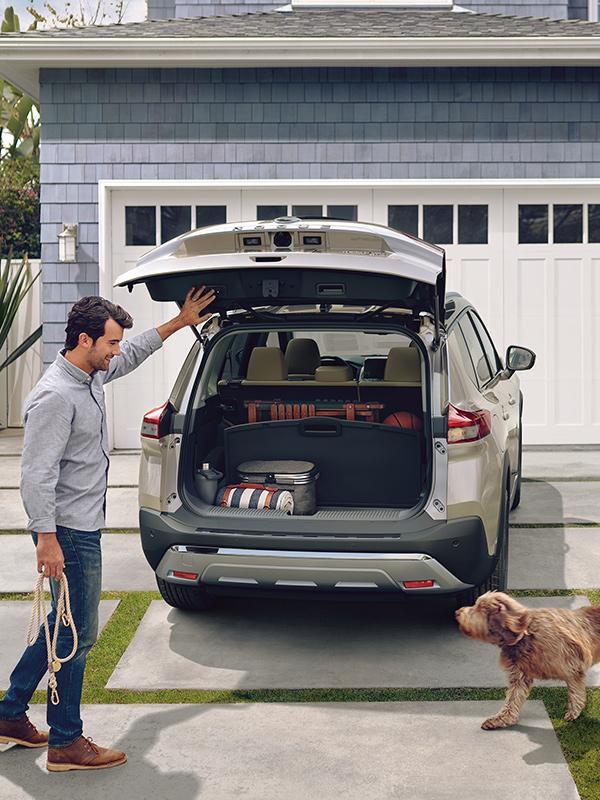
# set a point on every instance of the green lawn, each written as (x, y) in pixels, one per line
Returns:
(580, 740)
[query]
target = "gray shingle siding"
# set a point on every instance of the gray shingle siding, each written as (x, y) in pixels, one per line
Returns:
(315, 123)
(559, 9)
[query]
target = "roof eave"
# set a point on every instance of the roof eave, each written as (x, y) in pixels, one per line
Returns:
(21, 57)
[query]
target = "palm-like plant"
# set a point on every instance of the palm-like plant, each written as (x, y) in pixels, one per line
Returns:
(19, 114)
(15, 283)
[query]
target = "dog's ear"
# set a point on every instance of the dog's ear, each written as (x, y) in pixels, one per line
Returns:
(508, 625)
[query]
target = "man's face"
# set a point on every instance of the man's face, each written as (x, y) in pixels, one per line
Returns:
(106, 346)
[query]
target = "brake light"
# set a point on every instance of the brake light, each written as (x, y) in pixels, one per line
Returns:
(186, 576)
(467, 426)
(151, 422)
(417, 584)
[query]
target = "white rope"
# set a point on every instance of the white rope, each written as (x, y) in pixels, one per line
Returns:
(39, 618)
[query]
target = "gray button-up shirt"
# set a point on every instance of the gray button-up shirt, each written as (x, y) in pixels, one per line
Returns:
(65, 448)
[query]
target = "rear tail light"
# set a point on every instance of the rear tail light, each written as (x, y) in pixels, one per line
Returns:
(417, 584)
(186, 576)
(467, 426)
(151, 423)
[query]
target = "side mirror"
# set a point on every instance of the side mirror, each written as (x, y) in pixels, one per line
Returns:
(519, 358)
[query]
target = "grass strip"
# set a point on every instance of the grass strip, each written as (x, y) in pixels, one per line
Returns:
(554, 525)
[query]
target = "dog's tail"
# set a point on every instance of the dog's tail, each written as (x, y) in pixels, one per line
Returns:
(592, 616)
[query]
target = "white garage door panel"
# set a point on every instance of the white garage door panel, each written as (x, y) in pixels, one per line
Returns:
(542, 296)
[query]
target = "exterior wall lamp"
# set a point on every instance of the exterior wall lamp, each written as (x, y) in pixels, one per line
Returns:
(67, 243)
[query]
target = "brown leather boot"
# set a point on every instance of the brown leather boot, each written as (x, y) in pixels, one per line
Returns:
(21, 731)
(83, 754)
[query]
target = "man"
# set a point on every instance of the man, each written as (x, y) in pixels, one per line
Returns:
(63, 487)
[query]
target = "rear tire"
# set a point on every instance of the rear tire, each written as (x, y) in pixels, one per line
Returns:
(497, 581)
(188, 598)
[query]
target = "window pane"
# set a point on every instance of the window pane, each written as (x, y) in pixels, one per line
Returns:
(140, 225)
(210, 215)
(307, 211)
(472, 224)
(568, 224)
(487, 343)
(475, 350)
(343, 212)
(457, 349)
(437, 224)
(174, 220)
(594, 223)
(533, 224)
(270, 212)
(404, 218)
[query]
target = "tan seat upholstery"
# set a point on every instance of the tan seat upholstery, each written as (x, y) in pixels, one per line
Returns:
(266, 366)
(402, 368)
(302, 359)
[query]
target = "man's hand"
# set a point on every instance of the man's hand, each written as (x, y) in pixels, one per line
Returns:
(50, 557)
(196, 300)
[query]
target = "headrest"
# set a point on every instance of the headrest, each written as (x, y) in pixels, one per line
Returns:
(333, 374)
(403, 364)
(266, 364)
(373, 369)
(302, 356)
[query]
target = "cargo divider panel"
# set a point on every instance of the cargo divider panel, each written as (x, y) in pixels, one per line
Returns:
(360, 464)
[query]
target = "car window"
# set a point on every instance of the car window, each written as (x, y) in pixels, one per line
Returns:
(480, 362)
(487, 343)
(458, 350)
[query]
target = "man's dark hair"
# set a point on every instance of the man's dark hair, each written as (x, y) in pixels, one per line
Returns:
(89, 315)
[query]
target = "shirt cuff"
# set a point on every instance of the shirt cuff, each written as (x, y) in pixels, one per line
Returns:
(42, 525)
(154, 340)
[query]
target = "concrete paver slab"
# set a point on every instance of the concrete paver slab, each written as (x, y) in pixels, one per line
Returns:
(431, 751)
(124, 567)
(121, 509)
(554, 558)
(566, 502)
(11, 442)
(549, 464)
(123, 471)
(14, 621)
(258, 644)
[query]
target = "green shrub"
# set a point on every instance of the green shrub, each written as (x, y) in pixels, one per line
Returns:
(19, 208)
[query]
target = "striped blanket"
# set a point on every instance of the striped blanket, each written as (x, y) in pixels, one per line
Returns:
(255, 495)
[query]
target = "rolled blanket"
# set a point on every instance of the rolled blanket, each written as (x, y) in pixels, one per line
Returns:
(255, 495)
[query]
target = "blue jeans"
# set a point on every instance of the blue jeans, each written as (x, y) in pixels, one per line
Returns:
(83, 568)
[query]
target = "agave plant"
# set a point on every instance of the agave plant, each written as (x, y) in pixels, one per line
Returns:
(15, 283)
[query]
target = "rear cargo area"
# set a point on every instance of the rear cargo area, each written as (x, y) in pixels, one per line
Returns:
(360, 418)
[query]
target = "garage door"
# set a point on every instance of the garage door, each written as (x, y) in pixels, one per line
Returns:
(523, 256)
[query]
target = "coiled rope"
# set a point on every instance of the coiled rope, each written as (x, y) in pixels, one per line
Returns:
(39, 618)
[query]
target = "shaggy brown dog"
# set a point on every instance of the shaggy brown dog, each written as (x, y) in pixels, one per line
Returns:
(535, 643)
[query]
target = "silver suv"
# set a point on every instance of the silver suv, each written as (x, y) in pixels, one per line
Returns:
(335, 344)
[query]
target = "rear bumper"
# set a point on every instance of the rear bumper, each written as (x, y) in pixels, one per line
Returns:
(453, 554)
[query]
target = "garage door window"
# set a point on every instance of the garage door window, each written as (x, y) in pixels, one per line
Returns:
(594, 223)
(140, 225)
(174, 220)
(472, 224)
(437, 224)
(568, 224)
(404, 218)
(533, 224)
(210, 215)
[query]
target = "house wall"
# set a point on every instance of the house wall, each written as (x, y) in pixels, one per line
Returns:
(554, 9)
(315, 123)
